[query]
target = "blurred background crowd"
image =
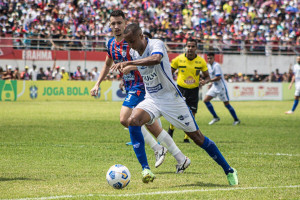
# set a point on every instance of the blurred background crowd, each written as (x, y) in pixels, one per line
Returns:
(246, 22)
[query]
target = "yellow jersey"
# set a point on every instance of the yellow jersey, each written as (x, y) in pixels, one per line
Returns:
(188, 70)
(65, 76)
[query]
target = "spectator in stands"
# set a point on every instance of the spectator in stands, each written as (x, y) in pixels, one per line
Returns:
(95, 74)
(33, 73)
(48, 73)
(8, 74)
(78, 74)
(56, 75)
(278, 76)
(17, 75)
(41, 75)
(65, 75)
(1, 73)
(255, 77)
(25, 74)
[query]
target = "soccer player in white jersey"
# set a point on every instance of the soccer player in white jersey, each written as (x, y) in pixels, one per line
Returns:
(296, 79)
(163, 97)
(218, 88)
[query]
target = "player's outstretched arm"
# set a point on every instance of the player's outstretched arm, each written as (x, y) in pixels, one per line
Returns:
(292, 81)
(104, 71)
(129, 68)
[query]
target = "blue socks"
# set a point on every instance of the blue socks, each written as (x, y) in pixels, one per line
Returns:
(138, 144)
(211, 109)
(232, 112)
(211, 148)
(295, 105)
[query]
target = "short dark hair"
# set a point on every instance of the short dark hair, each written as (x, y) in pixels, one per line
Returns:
(134, 28)
(191, 40)
(117, 13)
(211, 54)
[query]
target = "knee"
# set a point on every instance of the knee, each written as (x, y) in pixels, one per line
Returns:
(124, 122)
(132, 121)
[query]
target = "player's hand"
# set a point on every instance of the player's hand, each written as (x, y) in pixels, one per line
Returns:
(126, 70)
(202, 82)
(118, 66)
(94, 90)
(290, 87)
(121, 86)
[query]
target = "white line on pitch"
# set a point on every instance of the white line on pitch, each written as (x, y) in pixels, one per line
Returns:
(273, 154)
(156, 193)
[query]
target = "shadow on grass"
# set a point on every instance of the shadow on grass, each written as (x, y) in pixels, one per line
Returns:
(202, 184)
(19, 179)
(173, 172)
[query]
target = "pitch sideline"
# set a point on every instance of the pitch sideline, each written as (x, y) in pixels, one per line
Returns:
(156, 193)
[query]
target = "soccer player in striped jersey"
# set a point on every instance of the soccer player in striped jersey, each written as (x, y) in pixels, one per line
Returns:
(163, 98)
(296, 79)
(118, 51)
(217, 88)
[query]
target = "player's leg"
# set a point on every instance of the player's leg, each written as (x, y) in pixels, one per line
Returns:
(135, 121)
(296, 101)
(166, 140)
(171, 130)
(211, 109)
(232, 112)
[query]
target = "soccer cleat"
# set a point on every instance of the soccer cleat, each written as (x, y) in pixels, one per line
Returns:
(170, 131)
(181, 167)
(214, 120)
(237, 122)
(160, 156)
(289, 112)
(186, 141)
(233, 178)
(147, 176)
(129, 143)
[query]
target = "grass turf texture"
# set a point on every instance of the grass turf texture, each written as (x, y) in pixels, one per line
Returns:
(65, 148)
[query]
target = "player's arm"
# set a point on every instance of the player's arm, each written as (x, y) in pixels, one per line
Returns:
(292, 81)
(148, 61)
(129, 68)
(206, 79)
(104, 71)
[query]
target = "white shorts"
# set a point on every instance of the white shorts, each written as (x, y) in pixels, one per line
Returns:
(221, 93)
(176, 112)
(297, 92)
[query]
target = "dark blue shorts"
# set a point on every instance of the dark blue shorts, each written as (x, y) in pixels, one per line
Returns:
(133, 98)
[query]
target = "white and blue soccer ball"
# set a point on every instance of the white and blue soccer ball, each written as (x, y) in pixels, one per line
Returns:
(118, 176)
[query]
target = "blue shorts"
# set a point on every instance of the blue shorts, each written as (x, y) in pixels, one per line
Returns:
(133, 98)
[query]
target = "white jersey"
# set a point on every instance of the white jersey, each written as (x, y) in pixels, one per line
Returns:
(215, 70)
(296, 70)
(158, 79)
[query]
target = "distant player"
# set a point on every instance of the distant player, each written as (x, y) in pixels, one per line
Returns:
(189, 66)
(218, 88)
(163, 97)
(118, 51)
(296, 79)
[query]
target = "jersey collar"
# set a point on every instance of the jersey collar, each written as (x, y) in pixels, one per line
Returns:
(189, 59)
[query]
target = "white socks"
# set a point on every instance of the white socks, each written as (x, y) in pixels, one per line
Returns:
(166, 140)
(150, 140)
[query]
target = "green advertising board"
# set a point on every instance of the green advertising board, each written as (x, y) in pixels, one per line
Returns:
(52, 90)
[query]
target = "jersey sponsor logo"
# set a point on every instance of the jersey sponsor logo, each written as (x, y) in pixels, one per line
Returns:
(150, 77)
(154, 89)
(190, 80)
(129, 77)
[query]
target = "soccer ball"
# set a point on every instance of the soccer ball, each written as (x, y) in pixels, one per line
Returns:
(118, 176)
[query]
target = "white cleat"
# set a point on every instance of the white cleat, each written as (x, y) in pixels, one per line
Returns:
(181, 167)
(236, 122)
(289, 112)
(160, 156)
(214, 120)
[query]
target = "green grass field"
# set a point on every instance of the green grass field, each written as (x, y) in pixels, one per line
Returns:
(62, 150)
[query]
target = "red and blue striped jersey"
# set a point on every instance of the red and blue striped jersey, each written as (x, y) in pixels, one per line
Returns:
(119, 52)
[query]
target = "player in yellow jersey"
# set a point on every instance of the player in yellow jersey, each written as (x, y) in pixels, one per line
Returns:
(189, 66)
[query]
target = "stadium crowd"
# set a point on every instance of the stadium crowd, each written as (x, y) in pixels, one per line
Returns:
(247, 23)
(60, 73)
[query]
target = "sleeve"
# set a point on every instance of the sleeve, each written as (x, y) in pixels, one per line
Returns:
(174, 63)
(158, 48)
(204, 66)
(218, 71)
